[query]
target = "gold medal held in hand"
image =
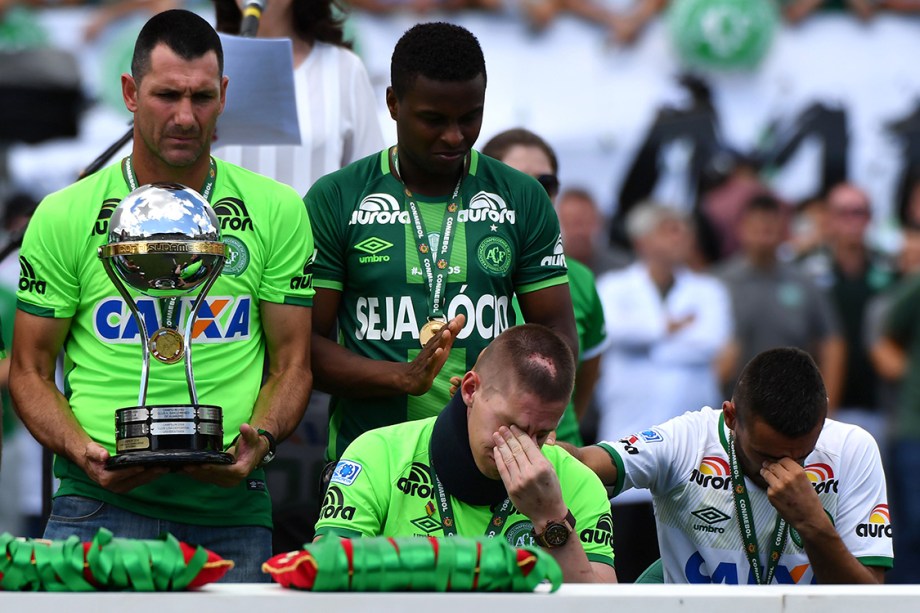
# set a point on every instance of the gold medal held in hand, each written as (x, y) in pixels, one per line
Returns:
(166, 345)
(431, 327)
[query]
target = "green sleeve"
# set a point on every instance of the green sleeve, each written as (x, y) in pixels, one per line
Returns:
(589, 312)
(48, 277)
(541, 262)
(324, 206)
(586, 497)
(288, 274)
(357, 499)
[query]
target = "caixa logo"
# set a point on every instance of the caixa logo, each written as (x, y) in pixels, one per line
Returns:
(220, 319)
(698, 570)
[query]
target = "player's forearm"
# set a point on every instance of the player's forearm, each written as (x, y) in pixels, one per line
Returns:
(830, 560)
(282, 401)
(47, 414)
(342, 372)
(597, 460)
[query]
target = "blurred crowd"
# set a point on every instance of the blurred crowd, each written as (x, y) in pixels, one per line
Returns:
(689, 294)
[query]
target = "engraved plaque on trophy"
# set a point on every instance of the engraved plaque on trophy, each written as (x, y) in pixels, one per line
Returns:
(164, 241)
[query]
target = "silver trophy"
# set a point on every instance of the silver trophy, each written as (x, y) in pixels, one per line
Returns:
(164, 241)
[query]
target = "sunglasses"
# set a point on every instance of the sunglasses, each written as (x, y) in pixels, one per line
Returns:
(550, 183)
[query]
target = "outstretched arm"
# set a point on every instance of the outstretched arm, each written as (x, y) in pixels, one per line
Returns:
(344, 373)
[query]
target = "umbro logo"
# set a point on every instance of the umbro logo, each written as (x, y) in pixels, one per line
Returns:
(28, 281)
(233, 215)
(710, 515)
(372, 247)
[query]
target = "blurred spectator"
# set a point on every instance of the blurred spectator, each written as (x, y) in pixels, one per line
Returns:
(583, 231)
(20, 473)
(422, 6)
(525, 151)
(730, 179)
(115, 10)
(897, 357)
(809, 228)
(666, 325)
(336, 106)
(852, 273)
(628, 25)
(774, 303)
(795, 11)
(888, 357)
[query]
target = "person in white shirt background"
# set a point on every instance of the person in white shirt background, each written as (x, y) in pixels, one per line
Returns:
(665, 326)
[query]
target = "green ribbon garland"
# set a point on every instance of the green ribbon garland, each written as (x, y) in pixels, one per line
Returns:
(411, 563)
(114, 563)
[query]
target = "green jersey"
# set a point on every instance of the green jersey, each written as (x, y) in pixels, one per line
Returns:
(505, 240)
(592, 336)
(382, 486)
(270, 251)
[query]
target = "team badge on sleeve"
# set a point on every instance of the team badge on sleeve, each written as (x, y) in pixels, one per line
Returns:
(346, 472)
(651, 436)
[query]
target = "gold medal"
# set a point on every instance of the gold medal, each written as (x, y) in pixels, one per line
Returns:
(431, 327)
(167, 346)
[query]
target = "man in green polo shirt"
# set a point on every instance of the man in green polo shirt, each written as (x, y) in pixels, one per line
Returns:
(257, 308)
(480, 467)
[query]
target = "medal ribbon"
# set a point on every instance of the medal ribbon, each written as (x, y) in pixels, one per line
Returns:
(434, 265)
(746, 523)
(207, 190)
(446, 509)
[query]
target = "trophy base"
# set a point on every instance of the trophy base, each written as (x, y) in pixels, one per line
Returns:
(168, 435)
(175, 458)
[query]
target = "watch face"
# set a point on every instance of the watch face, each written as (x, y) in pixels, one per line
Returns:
(556, 535)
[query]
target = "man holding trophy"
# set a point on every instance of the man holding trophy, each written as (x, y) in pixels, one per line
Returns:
(216, 261)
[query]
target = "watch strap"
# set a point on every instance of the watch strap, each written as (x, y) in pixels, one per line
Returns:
(272, 446)
(568, 523)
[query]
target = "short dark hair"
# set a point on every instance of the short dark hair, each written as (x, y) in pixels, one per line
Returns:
(437, 51)
(185, 33)
(498, 145)
(784, 388)
(537, 359)
(764, 203)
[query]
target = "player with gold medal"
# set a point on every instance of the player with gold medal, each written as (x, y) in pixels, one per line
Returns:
(434, 261)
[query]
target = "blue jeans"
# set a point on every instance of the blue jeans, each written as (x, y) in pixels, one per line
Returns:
(247, 546)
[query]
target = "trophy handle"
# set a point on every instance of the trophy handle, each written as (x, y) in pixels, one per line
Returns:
(192, 391)
(141, 326)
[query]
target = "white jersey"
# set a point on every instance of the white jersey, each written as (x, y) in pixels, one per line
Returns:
(337, 113)
(684, 462)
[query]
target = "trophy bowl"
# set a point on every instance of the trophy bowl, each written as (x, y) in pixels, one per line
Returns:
(176, 224)
(164, 242)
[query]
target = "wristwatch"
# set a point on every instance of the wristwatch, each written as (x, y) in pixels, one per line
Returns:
(268, 457)
(556, 533)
